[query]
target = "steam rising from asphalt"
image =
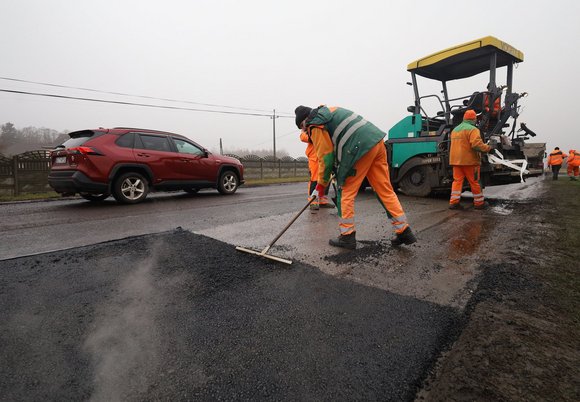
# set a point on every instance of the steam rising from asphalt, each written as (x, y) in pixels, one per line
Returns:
(124, 345)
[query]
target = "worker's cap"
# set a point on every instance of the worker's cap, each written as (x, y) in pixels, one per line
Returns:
(469, 115)
(302, 113)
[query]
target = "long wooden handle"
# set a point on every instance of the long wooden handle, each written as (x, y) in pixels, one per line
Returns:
(292, 221)
(287, 226)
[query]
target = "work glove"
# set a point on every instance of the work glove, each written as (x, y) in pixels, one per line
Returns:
(318, 191)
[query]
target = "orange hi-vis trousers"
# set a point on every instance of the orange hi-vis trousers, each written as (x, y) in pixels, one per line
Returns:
(313, 169)
(471, 173)
(373, 166)
(573, 171)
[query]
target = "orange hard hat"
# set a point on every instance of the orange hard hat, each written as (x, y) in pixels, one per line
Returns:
(469, 115)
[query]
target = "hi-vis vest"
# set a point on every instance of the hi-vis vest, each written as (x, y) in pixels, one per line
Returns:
(351, 135)
(556, 157)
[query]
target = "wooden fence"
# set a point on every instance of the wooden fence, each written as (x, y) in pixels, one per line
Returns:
(28, 172)
(25, 173)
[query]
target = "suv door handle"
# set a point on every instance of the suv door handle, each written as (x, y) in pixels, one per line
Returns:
(144, 155)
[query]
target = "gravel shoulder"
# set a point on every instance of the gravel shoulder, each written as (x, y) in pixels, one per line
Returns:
(521, 339)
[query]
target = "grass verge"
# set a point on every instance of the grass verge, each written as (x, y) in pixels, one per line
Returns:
(29, 196)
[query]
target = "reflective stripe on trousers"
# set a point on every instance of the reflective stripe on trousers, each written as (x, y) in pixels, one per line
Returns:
(373, 166)
(471, 173)
(346, 225)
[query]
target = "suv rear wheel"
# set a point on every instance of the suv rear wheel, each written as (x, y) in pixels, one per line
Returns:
(130, 188)
(228, 183)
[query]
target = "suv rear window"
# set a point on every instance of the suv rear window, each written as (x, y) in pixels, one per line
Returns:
(78, 138)
(155, 143)
(126, 140)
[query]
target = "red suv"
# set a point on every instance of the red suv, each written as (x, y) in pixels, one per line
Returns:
(130, 162)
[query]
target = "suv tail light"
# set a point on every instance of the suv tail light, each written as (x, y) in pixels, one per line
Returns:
(84, 151)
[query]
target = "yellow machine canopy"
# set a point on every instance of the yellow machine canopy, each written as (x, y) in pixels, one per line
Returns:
(466, 60)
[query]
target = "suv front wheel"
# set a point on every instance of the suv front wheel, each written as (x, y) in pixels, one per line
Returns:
(130, 188)
(228, 183)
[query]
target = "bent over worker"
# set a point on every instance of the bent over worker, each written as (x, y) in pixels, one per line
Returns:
(573, 164)
(555, 160)
(322, 201)
(466, 145)
(343, 138)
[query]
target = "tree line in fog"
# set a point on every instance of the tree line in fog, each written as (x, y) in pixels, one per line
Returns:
(15, 141)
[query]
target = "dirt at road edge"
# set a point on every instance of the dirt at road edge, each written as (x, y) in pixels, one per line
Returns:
(521, 339)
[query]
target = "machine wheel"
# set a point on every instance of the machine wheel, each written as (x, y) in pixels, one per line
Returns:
(130, 188)
(228, 183)
(416, 182)
(94, 197)
(191, 190)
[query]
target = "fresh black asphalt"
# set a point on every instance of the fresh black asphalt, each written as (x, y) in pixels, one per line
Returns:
(178, 316)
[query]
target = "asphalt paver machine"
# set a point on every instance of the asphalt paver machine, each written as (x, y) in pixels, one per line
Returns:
(418, 145)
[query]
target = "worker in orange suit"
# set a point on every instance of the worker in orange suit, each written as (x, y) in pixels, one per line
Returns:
(496, 104)
(465, 157)
(322, 201)
(573, 164)
(354, 148)
(555, 160)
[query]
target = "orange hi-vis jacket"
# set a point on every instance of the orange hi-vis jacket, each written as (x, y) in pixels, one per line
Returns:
(574, 159)
(466, 145)
(556, 157)
(310, 151)
(496, 104)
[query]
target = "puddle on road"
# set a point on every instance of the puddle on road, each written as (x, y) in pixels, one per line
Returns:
(501, 209)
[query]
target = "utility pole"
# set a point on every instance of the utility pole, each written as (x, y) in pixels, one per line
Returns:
(274, 132)
(221, 147)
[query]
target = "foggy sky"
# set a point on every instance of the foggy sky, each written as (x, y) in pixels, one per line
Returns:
(271, 54)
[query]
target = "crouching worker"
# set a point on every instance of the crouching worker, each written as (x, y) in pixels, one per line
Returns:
(322, 201)
(343, 138)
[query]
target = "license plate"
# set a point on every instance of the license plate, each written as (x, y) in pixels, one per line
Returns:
(60, 159)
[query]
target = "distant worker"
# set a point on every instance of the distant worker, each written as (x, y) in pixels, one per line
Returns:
(573, 164)
(465, 157)
(496, 103)
(343, 138)
(555, 160)
(322, 201)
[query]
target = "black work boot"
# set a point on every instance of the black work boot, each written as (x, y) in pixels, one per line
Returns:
(344, 241)
(485, 205)
(407, 237)
(456, 206)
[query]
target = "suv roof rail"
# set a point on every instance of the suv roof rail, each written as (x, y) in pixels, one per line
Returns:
(147, 129)
(133, 128)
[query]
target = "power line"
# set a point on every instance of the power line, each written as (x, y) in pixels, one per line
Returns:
(137, 104)
(132, 95)
(279, 136)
